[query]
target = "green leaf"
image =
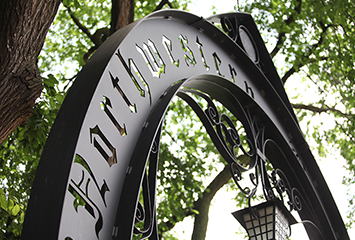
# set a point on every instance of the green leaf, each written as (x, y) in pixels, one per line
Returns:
(76, 4)
(50, 81)
(10, 205)
(66, 3)
(60, 98)
(22, 217)
(195, 211)
(3, 201)
(15, 210)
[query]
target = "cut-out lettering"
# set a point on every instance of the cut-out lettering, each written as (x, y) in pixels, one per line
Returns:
(168, 47)
(217, 63)
(232, 72)
(104, 105)
(152, 57)
(132, 107)
(189, 55)
(249, 90)
(199, 45)
(131, 68)
(103, 189)
(230, 27)
(109, 159)
(82, 199)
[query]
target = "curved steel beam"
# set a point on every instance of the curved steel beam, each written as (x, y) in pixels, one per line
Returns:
(83, 167)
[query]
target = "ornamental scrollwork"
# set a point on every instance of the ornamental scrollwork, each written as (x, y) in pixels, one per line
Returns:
(242, 145)
(254, 162)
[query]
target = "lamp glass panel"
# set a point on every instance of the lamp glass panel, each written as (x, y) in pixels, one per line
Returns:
(272, 224)
(269, 210)
(281, 225)
(262, 212)
(248, 44)
(256, 223)
(246, 217)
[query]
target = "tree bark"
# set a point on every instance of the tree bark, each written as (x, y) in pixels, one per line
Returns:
(23, 28)
(122, 14)
(203, 204)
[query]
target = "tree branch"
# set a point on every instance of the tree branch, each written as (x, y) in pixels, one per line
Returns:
(171, 224)
(351, 137)
(217, 183)
(304, 59)
(169, 134)
(162, 3)
(97, 38)
(79, 24)
(320, 89)
(202, 205)
(326, 108)
(282, 35)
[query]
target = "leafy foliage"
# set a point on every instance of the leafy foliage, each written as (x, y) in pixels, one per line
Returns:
(19, 157)
(61, 59)
(313, 39)
(187, 158)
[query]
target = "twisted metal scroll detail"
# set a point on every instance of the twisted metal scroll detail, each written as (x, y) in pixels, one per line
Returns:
(282, 185)
(145, 213)
(222, 131)
(227, 140)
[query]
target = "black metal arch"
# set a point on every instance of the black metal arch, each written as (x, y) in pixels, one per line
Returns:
(267, 145)
(93, 164)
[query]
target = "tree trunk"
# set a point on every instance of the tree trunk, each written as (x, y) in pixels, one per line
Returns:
(23, 28)
(122, 14)
(203, 204)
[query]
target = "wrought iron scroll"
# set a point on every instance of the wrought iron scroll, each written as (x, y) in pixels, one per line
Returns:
(137, 177)
(110, 129)
(277, 181)
(228, 141)
(146, 212)
(240, 34)
(226, 138)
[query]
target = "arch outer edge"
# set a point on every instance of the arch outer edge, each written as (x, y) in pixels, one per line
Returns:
(114, 63)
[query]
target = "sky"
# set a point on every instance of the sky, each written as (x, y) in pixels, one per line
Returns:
(222, 225)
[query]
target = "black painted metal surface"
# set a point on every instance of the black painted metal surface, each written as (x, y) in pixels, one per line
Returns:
(108, 129)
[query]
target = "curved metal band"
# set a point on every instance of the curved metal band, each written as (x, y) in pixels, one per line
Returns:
(118, 88)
